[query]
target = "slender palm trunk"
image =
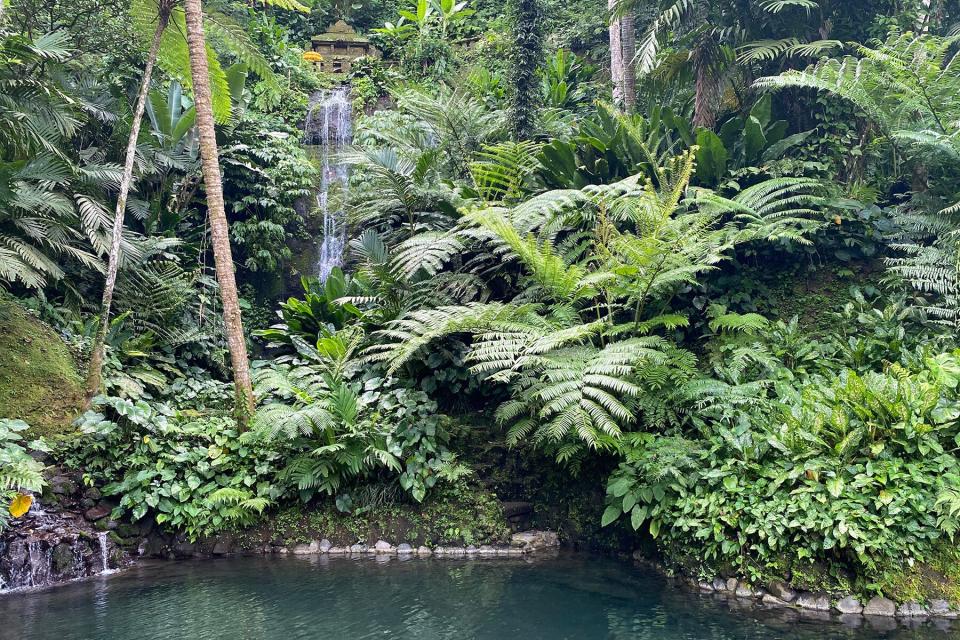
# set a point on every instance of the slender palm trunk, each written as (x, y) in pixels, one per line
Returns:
(623, 50)
(219, 230)
(95, 370)
(616, 54)
(628, 44)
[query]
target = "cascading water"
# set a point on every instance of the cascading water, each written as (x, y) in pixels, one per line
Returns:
(327, 131)
(52, 545)
(104, 553)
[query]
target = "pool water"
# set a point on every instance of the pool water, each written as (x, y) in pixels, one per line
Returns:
(289, 598)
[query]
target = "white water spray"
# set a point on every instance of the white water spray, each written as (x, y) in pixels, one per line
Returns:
(328, 130)
(104, 554)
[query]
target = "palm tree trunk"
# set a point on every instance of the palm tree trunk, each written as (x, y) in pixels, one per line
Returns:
(616, 54)
(95, 370)
(219, 230)
(623, 50)
(628, 45)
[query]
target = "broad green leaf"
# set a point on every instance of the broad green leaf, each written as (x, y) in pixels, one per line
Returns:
(611, 513)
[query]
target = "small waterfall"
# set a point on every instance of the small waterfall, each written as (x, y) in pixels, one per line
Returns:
(327, 131)
(104, 553)
(57, 541)
(36, 571)
(36, 509)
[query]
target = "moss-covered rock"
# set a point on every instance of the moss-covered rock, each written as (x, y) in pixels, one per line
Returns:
(39, 381)
(938, 578)
(458, 514)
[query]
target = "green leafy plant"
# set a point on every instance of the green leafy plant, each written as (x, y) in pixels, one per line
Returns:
(19, 472)
(190, 473)
(856, 473)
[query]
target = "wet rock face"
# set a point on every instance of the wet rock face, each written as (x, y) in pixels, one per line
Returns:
(40, 557)
(55, 542)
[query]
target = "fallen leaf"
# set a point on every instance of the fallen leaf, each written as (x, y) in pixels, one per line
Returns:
(20, 505)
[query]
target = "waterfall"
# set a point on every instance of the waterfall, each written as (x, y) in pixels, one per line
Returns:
(327, 131)
(104, 553)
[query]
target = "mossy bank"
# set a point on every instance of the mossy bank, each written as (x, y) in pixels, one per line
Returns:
(39, 381)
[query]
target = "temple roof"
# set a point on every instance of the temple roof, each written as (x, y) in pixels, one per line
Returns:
(340, 31)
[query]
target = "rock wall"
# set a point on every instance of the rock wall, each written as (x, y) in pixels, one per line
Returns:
(65, 536)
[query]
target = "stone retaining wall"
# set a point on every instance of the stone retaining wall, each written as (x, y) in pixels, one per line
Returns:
(779, 595)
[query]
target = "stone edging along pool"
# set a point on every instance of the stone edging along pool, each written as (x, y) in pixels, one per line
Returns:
(521, 544)
(780, 595)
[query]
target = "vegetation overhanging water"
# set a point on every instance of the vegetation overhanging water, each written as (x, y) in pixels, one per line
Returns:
(676, 279)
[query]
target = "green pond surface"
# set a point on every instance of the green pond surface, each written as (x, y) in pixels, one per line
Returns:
(570, 596)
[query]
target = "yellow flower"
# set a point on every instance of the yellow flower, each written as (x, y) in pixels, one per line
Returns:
(312, 56)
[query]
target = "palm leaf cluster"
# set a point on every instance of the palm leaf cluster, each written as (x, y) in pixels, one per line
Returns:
(222, 29)
(51, 197)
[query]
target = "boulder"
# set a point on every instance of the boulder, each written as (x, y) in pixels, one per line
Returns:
(221, 547)
(911, 610)
(306, 548)
(813, 601)
(424, 551)
(940, 608)
(404, 549)
(781, 590)
(772, 600)
(151, 546)
(97, 512)
(732, 584)
(382, 546)
(358, 548)
(744, 591)
(184, 549)
(849, 605)
(703, 585)
(719, 584)
(63, 486)
(325, 546)
(534, 540)
(880, 606)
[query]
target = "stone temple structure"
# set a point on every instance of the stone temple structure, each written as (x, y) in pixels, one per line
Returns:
(339, 47)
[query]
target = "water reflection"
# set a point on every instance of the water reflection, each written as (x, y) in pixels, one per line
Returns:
(322, 597)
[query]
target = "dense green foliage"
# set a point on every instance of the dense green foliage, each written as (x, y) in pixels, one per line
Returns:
(846, 459)
(734, 309)
(18, 471)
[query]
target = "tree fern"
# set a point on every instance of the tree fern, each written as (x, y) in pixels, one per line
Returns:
(907, 85)
(500, 171)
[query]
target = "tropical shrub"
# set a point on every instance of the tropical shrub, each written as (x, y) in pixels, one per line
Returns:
(186, 471)
(859, 473)
(266, 172)
(339, 426)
